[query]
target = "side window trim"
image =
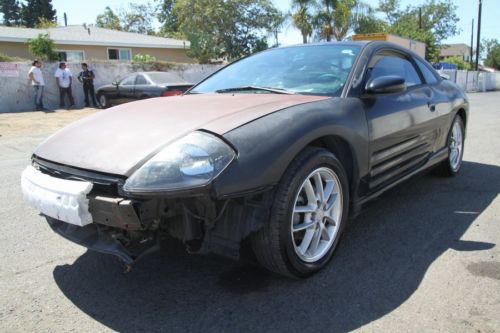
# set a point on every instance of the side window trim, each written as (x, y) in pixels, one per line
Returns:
(422, 63)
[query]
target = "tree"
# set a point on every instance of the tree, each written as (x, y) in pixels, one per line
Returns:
(108, 20)
(167, 17)
(365, 21)
(277, 21)
(437, 22)
(34, 10)
(459, 61)
(334, 18)
(492, 48)
(391, 10)
(367, 24)
(45, 24)
(138, 18)
(302, 19)
(11, 11)
(225, 29)
(42, 47)
(405, 27)
(438, 16)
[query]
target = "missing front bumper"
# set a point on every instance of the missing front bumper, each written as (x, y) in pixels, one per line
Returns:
(105, 240)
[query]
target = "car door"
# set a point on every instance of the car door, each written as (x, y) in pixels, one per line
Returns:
(126, 89)
(402, 125)
(142, 87)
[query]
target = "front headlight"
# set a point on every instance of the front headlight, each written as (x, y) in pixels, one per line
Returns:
(193, 161)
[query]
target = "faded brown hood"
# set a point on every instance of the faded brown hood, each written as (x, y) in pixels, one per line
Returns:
(116, 140)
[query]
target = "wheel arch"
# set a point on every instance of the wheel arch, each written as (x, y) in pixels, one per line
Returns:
(341, 149)
(461, 112)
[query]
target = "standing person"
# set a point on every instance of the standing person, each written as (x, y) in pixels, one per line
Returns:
(64, 79)
(38, 84)
(87, 76)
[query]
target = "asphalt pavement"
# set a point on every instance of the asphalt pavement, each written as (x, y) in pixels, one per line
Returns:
(424, 257)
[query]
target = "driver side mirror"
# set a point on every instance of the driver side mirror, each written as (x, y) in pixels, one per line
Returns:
(385, 85)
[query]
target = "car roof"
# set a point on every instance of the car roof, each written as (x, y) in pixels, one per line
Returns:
(364, 45)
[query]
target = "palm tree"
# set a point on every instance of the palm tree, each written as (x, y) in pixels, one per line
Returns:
(334, 18)
(301, 18)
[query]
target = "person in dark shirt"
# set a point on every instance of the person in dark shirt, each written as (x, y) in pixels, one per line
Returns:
(87, 76)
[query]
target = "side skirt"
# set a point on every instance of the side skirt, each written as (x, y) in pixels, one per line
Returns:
(436, 158)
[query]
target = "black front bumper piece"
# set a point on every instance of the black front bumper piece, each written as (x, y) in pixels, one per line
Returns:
(101, 239)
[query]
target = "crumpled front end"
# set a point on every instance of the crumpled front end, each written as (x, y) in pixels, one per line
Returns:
(92, 210)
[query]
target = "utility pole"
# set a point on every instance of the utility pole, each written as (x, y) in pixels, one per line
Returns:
(471, 61)
(478, 33)
(65, 20)
(420, 18)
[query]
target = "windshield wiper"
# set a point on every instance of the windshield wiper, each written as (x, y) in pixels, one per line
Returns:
(249, 88)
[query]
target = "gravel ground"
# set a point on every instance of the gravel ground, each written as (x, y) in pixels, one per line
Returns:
(421, 258)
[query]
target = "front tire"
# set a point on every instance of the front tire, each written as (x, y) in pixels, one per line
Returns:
(455, 145)
(308, 215)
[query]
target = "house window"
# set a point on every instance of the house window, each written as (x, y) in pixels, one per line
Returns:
(119, 54)
(71, 56)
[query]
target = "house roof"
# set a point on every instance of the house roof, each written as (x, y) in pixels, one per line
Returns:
(91, 35)
(449, 50)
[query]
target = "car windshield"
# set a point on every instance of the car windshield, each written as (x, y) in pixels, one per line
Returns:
(312, 70)
(161, 78)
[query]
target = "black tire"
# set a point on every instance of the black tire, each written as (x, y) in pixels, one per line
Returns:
(103, 101)
(448, 168)
(274, 246)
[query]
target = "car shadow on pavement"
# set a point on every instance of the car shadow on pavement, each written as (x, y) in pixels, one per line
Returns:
(380, 263)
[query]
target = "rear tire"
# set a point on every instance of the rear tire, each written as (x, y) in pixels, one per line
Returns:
(455, 145)
(308, 215)
(103, 101)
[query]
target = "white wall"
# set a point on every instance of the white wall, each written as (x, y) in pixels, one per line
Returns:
(16, 92)
(474, 81)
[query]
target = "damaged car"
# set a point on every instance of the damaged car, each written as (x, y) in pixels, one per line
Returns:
(275, 150)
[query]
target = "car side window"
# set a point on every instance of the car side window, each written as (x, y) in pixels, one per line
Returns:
(429, 77)
(141, 80)
(128, 81)
(383, 65)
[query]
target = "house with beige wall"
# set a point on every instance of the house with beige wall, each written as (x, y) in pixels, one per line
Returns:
(455, 50)
(86, 43)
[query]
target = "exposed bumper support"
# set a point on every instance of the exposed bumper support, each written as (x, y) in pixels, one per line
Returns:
(93, 237)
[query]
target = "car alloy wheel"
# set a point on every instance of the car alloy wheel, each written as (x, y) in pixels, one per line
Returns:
(316, 215)
(308, 214)
(455, 145)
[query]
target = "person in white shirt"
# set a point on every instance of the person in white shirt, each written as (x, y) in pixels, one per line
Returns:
(38, 84)
(64, 79)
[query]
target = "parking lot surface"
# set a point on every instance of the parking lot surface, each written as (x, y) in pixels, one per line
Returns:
(424, 257)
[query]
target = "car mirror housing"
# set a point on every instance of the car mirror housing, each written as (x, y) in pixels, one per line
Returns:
(385, 85)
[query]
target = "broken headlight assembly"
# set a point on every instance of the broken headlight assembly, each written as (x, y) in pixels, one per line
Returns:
(190, 162)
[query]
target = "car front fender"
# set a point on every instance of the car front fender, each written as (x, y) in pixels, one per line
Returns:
(266, 146)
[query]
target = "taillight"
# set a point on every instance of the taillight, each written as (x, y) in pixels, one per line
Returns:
(175, 92)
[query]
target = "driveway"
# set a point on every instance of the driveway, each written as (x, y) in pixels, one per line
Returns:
(424, 257)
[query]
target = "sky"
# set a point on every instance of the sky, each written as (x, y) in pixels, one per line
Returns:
(80, 12)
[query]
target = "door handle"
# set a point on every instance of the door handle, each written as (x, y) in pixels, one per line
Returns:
(432, 107)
